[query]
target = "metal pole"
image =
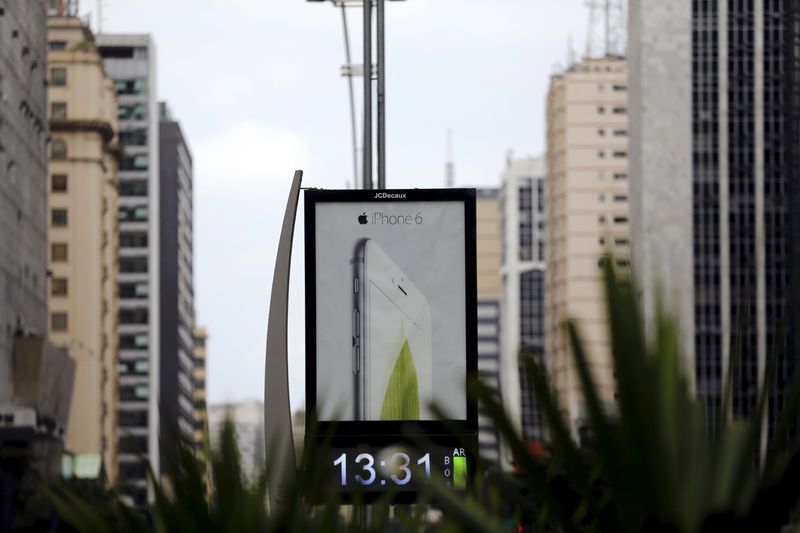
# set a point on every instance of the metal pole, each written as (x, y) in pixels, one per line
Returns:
(367, 146)
(381, 97)
(349, 63)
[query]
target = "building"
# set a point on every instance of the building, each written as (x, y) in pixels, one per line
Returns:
(587, 215)
(35, 377)
(130, 61)
(715, 168)
(522, 200)
(83, 236)
(177, 285)
(199, 379)
(248, 418)
(489, 243)
(23, 187)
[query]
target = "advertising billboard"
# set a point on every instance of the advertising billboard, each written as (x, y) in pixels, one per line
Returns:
(391, 316)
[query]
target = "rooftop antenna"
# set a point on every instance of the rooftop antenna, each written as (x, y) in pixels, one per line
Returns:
(99, 16)
(449, 169)
(606, 33)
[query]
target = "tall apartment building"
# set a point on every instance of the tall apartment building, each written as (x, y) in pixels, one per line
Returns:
(489, 242)
(83, 306)
(177, 284)
(715, 167)
(587, 214)
(199, 378)
(130, 61)
(23, 167)
(35, 377)
(522, 201)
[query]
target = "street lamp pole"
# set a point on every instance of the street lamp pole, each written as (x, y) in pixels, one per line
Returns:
(367, 147)
(381, 95)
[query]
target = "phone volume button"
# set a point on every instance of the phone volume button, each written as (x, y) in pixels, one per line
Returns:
(356, 360)
(355, 285)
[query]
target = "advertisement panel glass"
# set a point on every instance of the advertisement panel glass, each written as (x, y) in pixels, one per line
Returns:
(391, 310)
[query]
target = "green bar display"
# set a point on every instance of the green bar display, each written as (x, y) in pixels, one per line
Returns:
(459, 472)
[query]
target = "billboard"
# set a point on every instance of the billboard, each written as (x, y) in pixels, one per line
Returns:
(391, 314)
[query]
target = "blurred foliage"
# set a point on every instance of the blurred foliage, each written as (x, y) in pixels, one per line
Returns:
(651, 465)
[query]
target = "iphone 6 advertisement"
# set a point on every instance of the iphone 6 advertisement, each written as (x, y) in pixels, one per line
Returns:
(390, 306)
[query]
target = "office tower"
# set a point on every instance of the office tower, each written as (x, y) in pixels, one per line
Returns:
(522, 200)
(248, 419)
(130, 61)
(715, 168)
(35, 377)
(489, 296)
(177, 285)
(199, 379)
(587, 215)
(83, 219)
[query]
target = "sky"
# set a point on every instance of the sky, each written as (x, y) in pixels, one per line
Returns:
(256, 86)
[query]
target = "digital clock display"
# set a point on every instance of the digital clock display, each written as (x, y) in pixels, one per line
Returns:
(397, 468)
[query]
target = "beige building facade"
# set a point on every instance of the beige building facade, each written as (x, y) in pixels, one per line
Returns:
(82, 234)
(489, 250)
(587, 214)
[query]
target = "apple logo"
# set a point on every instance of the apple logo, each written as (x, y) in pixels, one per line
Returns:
(362, 218)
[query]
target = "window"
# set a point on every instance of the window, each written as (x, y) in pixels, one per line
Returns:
(601, 132)
(133, 138)
(134, 162)
(601, 109)
(58, 77)
(601, 154)
(133, 315)
(58, 252)
(58, 111)
(602, 241)
(118, 52)
(133, 290)
(136, 86)
(58, 183)
(601, 198)
(134, 342)
(133, 188)
(58, 322)
(620, 87)
(132, 418)
(620, 176)
(59, 287)
(620, 197)
(57, 45)
(601, 219)
(58, 218)
(132, 112)
(136, 264)
(621, 242)
(620, 111)
(620, 132)
(620, 153)
(133, 213)
(137, 239)
(620, 220)
(58, 149)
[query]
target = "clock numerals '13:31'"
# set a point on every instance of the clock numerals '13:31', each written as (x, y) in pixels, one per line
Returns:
(368, 475)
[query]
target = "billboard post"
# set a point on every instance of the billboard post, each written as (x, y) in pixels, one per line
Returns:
(277, 411)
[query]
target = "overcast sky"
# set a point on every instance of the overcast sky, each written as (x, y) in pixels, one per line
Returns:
(256, 86)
